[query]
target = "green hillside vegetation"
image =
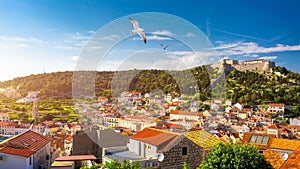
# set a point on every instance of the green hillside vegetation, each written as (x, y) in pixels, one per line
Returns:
(256, 88)
(248, 86)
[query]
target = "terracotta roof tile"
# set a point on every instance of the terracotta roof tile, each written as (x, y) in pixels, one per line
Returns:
(186, 113)
(24, 143)
(274, 157)
(284, 144)
(274, 126)
(154, 136)
(69, 138)
(293, 161)
(202, 138)
(171, 125)
(276, 105)
(76, 158)
(17, 151)
(7, 124)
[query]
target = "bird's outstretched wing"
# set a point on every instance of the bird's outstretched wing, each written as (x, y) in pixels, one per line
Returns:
(142, 34)
(135, 23)
(166, 47)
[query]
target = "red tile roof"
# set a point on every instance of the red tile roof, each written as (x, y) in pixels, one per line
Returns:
(171, 125)
(293, 162)
(274, 126)
(16, 151)
(186, 113)
(7, 124)
(155, 137)
(76, 158)
(274, 157)
(284, 144)
(69, 138)
(29, 141)
(276, 105)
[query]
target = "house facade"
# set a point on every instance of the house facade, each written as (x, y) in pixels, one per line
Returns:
(277, 109)
(155, 148)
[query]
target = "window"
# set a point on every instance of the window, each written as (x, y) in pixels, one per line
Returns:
(184, 151)
(253, 139)
(148, 164)
(259, 139)
(156, 164)
(30, 160)
(26, 144)
(32, 139)
(265, 140)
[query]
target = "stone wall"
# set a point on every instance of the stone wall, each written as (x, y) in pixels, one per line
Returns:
(83, 145)
(254, 65)
(174, 158)
(39, 157)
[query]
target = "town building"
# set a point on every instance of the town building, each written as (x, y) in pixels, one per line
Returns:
(156, 148)
(277, 109)
(93, 141)
(28, 150)
(4, 117)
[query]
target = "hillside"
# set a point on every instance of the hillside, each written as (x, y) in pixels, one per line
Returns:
(243, 86)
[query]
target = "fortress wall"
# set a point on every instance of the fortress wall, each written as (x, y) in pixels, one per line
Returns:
(244, 67)
(253, 65)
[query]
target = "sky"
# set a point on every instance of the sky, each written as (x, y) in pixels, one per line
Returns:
(38, 36)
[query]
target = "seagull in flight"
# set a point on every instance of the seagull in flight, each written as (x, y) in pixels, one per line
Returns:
(165, 46)
(137, 29)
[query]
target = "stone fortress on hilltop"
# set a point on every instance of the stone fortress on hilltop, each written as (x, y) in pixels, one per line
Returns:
(253, 65)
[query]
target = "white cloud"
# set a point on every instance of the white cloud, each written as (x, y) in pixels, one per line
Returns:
(77, 40)
(91, 32)
(18, 42)
(190, 35)
(65, 47)
(74, 58)
(251, 48)
(268, 57)
(226, 45)
(77, 36)
(51, 30)
(153, 37)
(163, 32)
(20, 39)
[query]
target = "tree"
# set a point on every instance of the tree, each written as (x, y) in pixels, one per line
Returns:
(205, 107)
(235, 156)
(115, 164)
(186, 166)
(296, 109)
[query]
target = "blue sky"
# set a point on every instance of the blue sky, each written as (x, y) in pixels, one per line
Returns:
(39, 36)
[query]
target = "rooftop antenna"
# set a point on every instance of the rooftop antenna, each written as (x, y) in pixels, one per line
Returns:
(284, 156)
(160, 157)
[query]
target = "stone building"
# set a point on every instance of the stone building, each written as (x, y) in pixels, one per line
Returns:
(155, 148)
(94, 141)
(253, 65)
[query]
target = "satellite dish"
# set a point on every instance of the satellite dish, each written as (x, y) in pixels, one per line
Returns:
(284, 156)
(160, 157)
